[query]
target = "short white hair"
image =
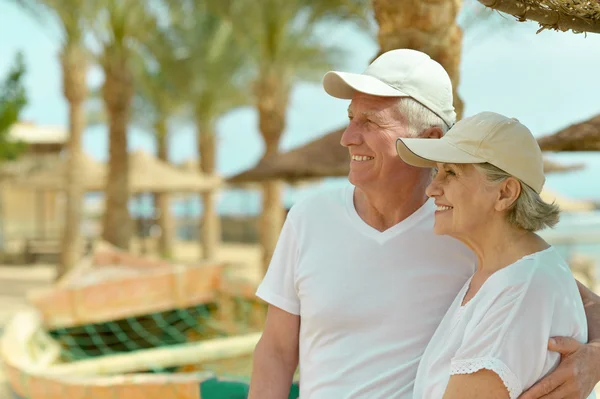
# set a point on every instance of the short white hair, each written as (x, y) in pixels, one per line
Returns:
(529, 212)
(418, 117)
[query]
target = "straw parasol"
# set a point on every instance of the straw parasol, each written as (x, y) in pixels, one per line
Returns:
(582, 136)
(568, 204)
(325, 157)
(146, 174)
(555, 167)
(149, 174)
(561, 15)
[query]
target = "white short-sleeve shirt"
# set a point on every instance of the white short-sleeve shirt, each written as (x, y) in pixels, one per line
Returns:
(369, 301)
(505, 327)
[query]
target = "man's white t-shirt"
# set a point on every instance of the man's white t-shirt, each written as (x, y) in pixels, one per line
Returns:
(505, 327)
(369, 301)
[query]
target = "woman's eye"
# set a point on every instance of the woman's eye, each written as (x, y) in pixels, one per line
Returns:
(449, 172)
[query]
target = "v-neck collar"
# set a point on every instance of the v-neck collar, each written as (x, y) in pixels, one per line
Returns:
(383, 236)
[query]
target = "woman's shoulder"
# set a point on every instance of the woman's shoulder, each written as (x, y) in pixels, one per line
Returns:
(543, 275)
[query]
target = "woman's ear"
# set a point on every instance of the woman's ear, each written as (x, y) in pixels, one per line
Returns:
(510, 190)
(434, 132)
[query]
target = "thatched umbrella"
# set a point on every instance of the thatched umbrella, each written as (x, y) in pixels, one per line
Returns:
(555, 167)
(569, 204)
(324, 157)
(563, 15)
(146, 174)
(320, 158)
(582, 136)
(149, 174)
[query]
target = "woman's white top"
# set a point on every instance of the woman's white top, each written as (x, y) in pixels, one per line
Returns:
(505, 327)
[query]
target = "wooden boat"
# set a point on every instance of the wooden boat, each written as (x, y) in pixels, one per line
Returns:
(110, 291)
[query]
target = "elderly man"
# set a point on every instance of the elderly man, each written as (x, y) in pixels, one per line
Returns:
(359, 281)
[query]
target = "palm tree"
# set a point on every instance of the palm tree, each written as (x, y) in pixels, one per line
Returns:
(124, 27)
(154, 104)
(429, 26)
(72, 16)
(210, 71)
(283, 49)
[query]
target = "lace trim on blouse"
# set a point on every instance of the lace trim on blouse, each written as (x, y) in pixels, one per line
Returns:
(469, 366)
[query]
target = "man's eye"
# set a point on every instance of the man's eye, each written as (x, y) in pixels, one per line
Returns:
(449, 172)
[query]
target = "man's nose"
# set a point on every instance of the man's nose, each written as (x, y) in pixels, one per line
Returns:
(351, 136)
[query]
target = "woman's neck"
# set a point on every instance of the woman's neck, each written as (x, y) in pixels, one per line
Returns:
(501, 244)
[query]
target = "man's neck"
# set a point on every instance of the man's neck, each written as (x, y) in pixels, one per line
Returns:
(386, 208)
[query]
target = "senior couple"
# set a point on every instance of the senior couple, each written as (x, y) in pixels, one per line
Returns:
(424, 278)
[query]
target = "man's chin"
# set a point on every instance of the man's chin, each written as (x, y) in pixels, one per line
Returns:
(358, 179)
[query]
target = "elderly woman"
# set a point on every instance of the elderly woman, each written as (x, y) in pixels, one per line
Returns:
(492, 342)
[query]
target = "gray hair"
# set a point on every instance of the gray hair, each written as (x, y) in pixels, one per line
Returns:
(529, 212)
(418, 117)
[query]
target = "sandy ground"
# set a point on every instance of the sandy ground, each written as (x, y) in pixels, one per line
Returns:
(15, 281)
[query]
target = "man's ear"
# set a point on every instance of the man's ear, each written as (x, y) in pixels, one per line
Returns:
(432, 133)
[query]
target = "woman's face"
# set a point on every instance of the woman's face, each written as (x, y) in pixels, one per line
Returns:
(465, 200)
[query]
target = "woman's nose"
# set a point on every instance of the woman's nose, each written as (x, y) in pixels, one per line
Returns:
(433, 189)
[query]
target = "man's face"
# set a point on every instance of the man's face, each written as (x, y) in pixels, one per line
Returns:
(375, 124)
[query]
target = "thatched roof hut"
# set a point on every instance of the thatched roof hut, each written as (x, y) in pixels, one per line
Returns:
(52, 175)
(324, 157)
(563, 15)
(582, 136)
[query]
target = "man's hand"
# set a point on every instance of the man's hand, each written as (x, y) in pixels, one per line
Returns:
(575, 376)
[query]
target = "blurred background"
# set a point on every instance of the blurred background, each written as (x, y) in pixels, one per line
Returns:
(149, 151)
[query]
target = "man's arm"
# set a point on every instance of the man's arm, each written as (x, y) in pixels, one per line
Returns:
(276, 356)
(579, 368)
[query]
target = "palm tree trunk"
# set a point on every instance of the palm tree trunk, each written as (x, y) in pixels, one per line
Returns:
(210, 234)
(2, 226)
(161, 200)
(117, 93)
(272, 98)
(426, 25)
(74, 68)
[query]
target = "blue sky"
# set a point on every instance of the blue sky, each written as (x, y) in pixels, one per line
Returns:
(547, 80)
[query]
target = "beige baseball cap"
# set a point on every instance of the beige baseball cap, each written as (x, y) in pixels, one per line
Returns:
(399, 73)
(486, 137)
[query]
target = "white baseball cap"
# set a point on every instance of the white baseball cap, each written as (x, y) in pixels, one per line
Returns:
(399, 73)
(487, 137)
